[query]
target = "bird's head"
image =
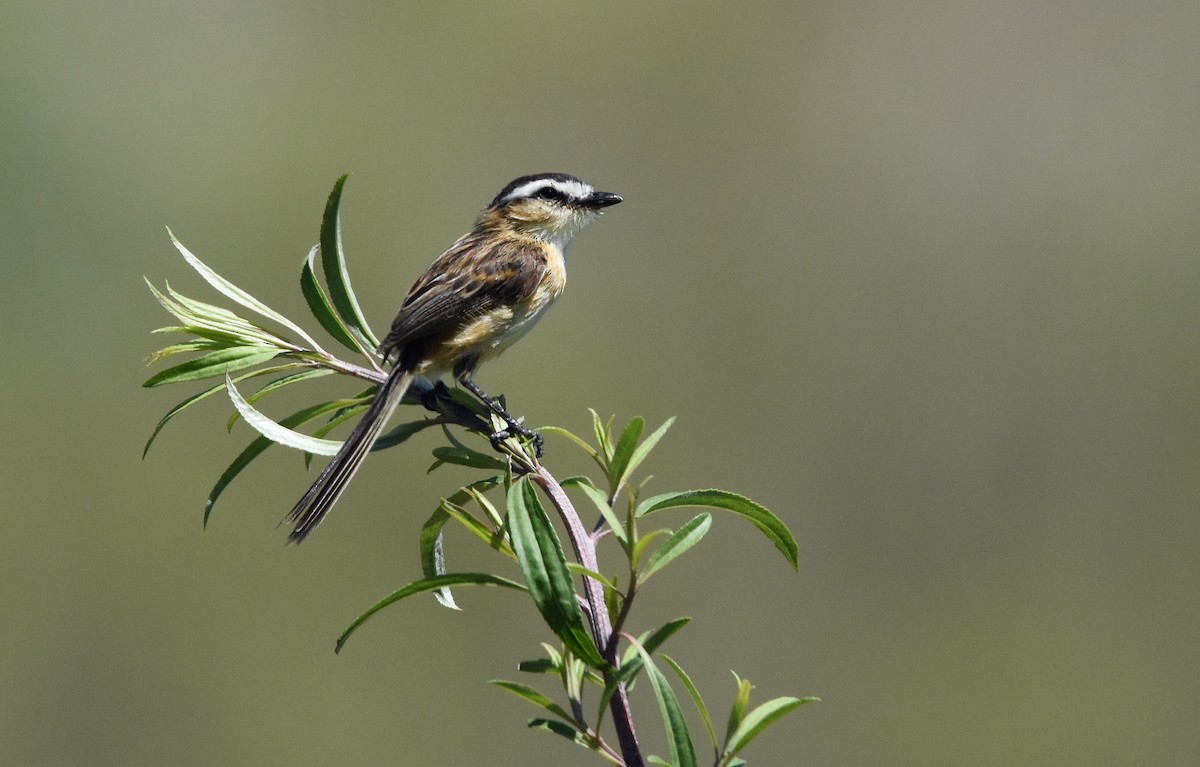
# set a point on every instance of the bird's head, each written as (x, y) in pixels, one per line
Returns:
(549, 206)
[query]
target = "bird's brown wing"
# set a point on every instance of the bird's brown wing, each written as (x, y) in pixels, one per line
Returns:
(465, 282)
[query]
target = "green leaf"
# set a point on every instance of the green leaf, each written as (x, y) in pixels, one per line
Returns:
(683, 539)
(213, 364)
(422, 586)
(621, 454)
(433, 561)
(545, 569)
(493, 538)
(600, 500)
(696, 699)
(341, 416)
(601, 431)
(255, 448)
(643, 543)
(538, 666)
(276, 432)
(276, 385)
(614, 600)
(759, 516)
(401, 433)
(221, 339)
(647, 445)
(318, 304)
(463, 456)
(221, 319)
(476, 491)
(683, 753)
(572, 437)
(235, 293)
(553, 654)
(758, 720)
(600, 578)
(533, 696)
(187, 309)
(741, 701)
(288, 380)
(203, 345)
(204, 395)
(568, 731)
(631, 666)
(337, 278)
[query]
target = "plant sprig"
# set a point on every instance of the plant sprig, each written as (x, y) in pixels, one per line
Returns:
(584, 605)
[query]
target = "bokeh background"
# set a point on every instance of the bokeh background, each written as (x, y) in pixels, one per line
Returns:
(923, 278)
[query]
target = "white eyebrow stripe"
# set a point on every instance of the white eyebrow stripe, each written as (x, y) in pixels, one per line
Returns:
(572, 189)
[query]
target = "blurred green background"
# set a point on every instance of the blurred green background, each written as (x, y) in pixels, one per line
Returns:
(921, 278)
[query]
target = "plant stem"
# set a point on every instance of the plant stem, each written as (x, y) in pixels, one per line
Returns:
(583, 544)
(602, 632)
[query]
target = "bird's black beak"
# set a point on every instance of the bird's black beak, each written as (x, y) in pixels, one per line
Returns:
(601, 199)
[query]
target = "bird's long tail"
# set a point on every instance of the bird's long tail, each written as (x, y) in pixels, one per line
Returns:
(329, 486)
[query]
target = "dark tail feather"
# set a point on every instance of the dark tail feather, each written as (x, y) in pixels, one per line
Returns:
(325, 491)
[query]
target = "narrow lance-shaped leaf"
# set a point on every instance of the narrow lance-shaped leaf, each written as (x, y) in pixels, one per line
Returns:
(476, 491)
(538, 666)
(288, 380)
(644, 541)
(683, 539)
(401, 433)
(318, 304)
(433, 563)
(608, 583)
(276, 432)
(741, 702)
(631, 665)
(186, 309)
(235, 293)
(345, 414)
(683, 753)
(221, 319)
(647, 445)
(464, 456)
(621, 454)
(696, 699)
(545, 569)
(579, 442)
(526, 692)
(569, 731)
(422, 586)
(225, 335)
(192, 400)
(202, 345)
(213, 364)
(493, 538)
(601, 430)
(276, 385)
(256, 448)
(758, 720)
(333, 263)
(600, 500)
(431, 540)
(759, 516)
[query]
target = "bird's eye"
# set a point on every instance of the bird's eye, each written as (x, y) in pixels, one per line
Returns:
(550, 193)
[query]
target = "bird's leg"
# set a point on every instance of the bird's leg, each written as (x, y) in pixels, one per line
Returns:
(433, 395)
(438, 399)
(514, 426)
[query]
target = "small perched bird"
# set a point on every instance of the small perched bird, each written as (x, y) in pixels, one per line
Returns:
(473, 302)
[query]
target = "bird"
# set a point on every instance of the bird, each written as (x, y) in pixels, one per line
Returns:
(476, 299)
